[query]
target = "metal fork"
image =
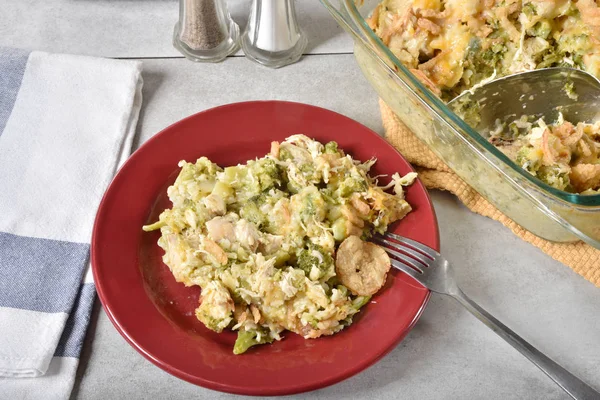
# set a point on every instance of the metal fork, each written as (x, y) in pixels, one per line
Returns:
(433, 271)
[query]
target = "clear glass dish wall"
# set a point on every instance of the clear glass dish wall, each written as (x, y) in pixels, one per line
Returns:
(546, 212)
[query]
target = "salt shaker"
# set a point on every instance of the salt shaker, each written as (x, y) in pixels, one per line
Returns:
(272, 36)
(205, 30)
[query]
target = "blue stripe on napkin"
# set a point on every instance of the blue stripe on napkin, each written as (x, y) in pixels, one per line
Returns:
(40, 274)
(72, 337)
(12, 68)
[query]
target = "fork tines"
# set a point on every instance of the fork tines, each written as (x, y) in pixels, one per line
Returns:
(406, 251)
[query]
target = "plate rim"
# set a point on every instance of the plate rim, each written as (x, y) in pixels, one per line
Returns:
(218, 386)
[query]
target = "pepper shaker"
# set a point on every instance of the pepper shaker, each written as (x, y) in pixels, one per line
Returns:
(205, 31)
(273, 37)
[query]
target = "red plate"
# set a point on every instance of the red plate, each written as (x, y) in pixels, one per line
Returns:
(156, 315)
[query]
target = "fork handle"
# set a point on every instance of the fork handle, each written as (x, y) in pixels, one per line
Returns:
(574, 386)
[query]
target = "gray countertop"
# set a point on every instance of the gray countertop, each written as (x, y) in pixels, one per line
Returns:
(449, 354)
(135, 28)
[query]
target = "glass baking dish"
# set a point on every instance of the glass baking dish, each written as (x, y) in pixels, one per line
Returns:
(549, 213)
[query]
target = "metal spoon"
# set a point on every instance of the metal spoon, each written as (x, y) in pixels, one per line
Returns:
(541, 93)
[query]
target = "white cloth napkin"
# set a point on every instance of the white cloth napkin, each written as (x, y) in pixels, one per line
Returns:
(66, 125)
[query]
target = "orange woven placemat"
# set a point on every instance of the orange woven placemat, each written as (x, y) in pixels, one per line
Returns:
(581, 257)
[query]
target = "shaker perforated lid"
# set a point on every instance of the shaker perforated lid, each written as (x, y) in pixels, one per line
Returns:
(273, 36)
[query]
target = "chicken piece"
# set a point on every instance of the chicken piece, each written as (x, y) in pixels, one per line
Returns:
(215, 204)
(269, 244)
(220, 228)
(246, 234)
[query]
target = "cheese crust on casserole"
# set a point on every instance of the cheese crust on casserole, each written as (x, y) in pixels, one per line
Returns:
(453, 45)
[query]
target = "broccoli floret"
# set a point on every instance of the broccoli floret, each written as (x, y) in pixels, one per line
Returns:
(352, 185)
(360, 301)
(267, 173)
(293, 187)
(310, 173)
(570, 90)
(493, 55)
(205, 166)
(270, 196)
(257, 200)
(331, 148)
(541, 29)
(343, 289)
(474, 47)
(314, 256)
(468, 110)
(527, 160)
(554, 176)
(529, 10)
(285, 154)
(235, 176)
(188, 171)
(247, 339)
(223, 190)
(339, 229)
(251, 212)
(202, 172)
(309, 209)
(281, 258)
(307, 169)
(573, 11)
(212, 317)
(573, 44)
(313, 205)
